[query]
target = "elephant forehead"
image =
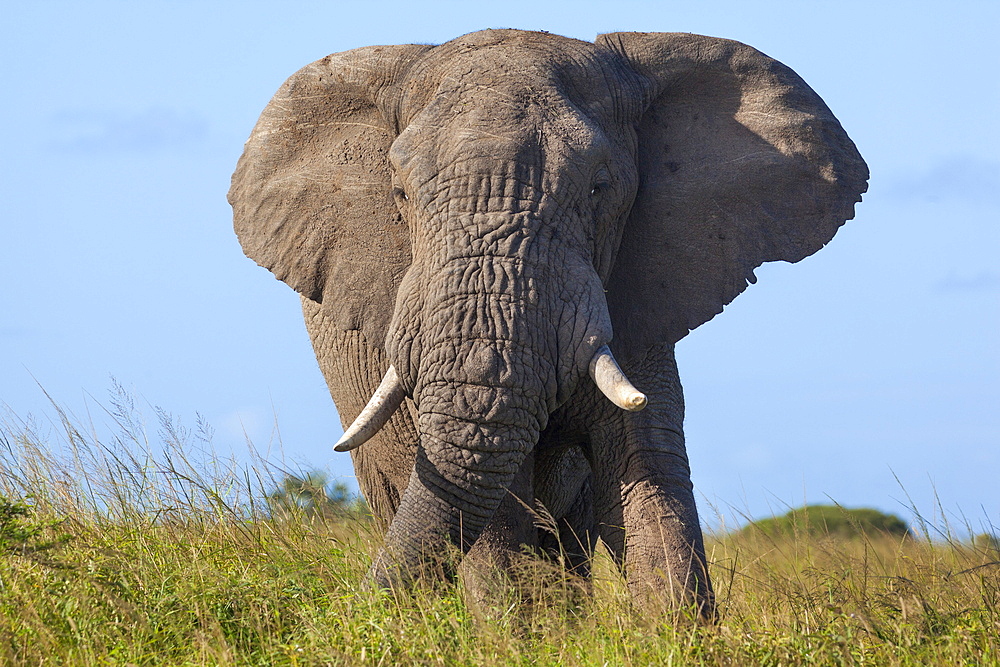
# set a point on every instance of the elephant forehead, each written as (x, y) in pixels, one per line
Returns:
(449, 132)
(535, 143)
(515, 69)
(512, 36)
(501, 53)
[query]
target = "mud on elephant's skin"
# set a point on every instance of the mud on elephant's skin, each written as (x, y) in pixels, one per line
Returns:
(480, 229)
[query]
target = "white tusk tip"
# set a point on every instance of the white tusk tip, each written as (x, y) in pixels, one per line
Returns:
(635, 402)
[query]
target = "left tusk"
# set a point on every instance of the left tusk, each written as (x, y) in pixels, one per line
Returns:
(608, 377)
(384, 402)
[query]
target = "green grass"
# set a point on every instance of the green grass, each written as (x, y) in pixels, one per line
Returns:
(118, 552)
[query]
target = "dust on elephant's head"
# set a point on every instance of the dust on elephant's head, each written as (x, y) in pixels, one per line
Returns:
(499, 212)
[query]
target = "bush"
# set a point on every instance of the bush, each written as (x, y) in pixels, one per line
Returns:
(20, 531)
(834, 520)
(313, 495)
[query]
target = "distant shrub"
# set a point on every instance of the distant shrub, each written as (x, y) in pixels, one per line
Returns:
(831, 520)
(314, 496)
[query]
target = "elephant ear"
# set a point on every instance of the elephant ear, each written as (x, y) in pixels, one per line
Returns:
(740, 163)
(312, 195)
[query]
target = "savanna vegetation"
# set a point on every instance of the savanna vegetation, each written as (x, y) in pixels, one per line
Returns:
(134, 549)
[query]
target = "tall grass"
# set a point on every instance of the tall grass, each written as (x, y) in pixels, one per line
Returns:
(131, 550)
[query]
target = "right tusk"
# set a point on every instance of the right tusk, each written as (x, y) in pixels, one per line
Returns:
(608, 377)
(386, 399)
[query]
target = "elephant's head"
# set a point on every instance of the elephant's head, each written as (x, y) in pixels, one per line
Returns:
(498, 209)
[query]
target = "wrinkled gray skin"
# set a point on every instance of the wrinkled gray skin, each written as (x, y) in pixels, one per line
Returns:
(484, 215)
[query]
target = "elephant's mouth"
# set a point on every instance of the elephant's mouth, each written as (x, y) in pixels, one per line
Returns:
(603, 369)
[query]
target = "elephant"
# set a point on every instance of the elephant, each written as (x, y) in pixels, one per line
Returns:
(498, 241)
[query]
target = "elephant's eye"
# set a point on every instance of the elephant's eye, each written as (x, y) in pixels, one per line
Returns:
(602, 183)
(599, 188)
(399, 194)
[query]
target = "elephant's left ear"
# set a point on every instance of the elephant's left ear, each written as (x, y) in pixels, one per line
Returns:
(740, 163)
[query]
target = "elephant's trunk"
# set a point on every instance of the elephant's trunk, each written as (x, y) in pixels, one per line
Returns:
(482, 367)
(463, 469)
(480, 410)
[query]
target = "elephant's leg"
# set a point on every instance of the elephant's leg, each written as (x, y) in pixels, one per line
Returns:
(353, 369)
(644, 497)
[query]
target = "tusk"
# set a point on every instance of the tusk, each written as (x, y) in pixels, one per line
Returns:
(384, 402)
(612, 382)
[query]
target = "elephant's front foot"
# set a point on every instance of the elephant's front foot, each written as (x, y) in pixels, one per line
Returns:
(397, 572)
(422, 545)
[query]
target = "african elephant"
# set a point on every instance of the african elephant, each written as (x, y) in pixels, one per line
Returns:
(479, 229)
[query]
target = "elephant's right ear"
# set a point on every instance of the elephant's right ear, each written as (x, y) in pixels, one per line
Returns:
(312, 195)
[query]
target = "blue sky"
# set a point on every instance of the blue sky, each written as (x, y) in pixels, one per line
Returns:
(875, 360)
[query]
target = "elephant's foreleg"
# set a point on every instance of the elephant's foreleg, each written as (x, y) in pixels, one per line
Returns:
(644, 498)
